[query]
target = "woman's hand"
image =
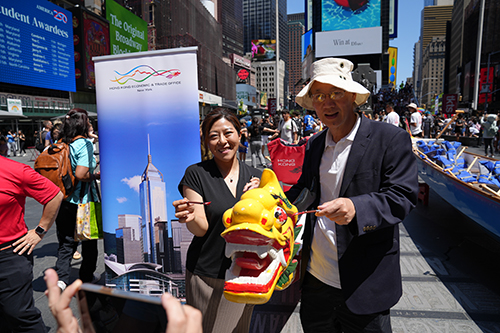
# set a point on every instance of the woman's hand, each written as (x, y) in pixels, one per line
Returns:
(184, 211)
(253, 183)
(192, 214)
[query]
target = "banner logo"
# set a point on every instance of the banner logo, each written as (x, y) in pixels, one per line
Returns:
(59, 16)
(143, 72)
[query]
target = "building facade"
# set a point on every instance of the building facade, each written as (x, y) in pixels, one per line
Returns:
(295, 31)
(266, 82)
(433, 65)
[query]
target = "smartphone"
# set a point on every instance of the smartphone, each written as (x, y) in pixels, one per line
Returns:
(104, 310)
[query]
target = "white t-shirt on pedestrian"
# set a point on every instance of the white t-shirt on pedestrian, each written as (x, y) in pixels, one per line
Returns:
(416, 119)
(393, 118)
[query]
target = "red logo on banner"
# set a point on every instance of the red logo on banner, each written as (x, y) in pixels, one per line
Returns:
(271, 105)
(450, 103)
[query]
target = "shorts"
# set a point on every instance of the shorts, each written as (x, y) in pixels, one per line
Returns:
(265, 140)
(243, 149)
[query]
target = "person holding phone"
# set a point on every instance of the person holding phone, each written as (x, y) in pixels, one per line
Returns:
(181, 318)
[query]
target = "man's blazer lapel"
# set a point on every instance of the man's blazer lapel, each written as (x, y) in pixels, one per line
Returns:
(358, 149)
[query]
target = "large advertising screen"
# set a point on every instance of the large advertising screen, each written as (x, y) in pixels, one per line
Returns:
(349, 14)
(263, 49)
(36, 45)
(127, 32)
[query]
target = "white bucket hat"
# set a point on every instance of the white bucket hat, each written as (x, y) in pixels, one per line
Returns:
(412, 105)
(334, 71)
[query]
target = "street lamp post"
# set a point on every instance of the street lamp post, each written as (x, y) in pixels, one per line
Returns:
(422, 86)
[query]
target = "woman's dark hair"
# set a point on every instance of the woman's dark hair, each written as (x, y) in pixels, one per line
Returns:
(56, 131)
(214, 116)
(76, 123)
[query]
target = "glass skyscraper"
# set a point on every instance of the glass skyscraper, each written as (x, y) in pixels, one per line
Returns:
(153, 209)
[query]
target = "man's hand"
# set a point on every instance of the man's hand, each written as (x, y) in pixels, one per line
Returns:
(27, 242)
(59, 303)
(340, 210)
(181, 318)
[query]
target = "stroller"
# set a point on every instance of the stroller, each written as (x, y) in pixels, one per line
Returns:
(286, 160)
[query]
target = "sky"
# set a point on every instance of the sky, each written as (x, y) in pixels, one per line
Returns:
(408, 32)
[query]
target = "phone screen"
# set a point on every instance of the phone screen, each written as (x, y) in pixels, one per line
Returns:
(105, 310)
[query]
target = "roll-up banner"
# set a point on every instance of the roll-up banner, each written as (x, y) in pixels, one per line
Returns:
(149, 133)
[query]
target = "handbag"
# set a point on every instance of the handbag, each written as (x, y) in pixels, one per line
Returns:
(89, 215)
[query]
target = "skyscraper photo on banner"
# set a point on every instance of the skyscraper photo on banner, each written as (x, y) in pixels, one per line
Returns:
(149, 133)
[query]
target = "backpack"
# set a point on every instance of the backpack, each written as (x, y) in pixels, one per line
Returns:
(54, 164)
(40, 141)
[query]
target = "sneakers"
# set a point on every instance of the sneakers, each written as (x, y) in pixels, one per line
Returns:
(61, 285)
(77, 255)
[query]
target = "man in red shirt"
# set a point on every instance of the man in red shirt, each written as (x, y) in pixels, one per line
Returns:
(18, 181)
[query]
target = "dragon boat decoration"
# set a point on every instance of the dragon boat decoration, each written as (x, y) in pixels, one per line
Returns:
(262, 237)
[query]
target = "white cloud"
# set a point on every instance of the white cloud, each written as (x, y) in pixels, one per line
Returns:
(121, 200)
(133, 182)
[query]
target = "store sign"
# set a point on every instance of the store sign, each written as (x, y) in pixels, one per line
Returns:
(243, 74)
(15, 106)
(349, 42)
(450, 103)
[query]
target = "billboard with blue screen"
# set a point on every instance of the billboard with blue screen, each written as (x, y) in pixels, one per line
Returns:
(36, 45)
(350, 14)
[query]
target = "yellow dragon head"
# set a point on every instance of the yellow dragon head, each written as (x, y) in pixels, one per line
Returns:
(260, 236)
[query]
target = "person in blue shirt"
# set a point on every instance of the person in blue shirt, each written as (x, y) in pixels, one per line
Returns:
(11, 143)
(75, 133)
(309, 124)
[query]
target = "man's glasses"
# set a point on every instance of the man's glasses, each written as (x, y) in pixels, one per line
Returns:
(320, 98)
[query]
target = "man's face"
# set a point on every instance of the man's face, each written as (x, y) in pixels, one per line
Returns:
(388, 109)
(286, 116)
(49, 125)
(337, 114)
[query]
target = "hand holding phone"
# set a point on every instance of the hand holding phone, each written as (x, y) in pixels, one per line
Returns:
(118, 311)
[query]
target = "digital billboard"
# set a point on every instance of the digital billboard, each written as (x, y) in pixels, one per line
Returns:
(307, 43)
(263, 49)
(393, 65)
(127, 32)
(91, 38)
(36, 45)
(349, 14)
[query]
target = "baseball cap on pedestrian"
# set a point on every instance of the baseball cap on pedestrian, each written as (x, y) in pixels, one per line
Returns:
(412, 105)
(334, 71)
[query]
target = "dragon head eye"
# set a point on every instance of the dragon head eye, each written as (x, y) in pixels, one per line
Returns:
(280, 215)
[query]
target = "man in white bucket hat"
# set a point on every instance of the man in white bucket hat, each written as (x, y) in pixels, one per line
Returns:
(363, 177)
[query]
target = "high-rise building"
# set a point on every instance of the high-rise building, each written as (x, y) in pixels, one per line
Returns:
(295, 32)
(128, 239)
(230, 16)
(433, 61)
(434, 18)
(153, 209)
(259, 22)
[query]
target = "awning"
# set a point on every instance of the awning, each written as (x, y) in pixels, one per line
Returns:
(91, 115)
(10, 115)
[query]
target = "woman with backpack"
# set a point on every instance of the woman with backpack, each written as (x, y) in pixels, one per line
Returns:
(75, 133)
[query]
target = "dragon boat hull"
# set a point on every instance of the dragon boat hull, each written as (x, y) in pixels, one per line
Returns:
(480, 205)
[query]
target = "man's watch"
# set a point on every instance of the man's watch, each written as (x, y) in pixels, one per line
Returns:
(40, 231)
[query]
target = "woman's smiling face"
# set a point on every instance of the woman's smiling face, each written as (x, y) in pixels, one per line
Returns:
(223, 140)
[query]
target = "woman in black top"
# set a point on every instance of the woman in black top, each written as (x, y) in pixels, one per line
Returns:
(220, 181)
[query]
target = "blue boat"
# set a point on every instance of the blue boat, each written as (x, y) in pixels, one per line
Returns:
(479, 202)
